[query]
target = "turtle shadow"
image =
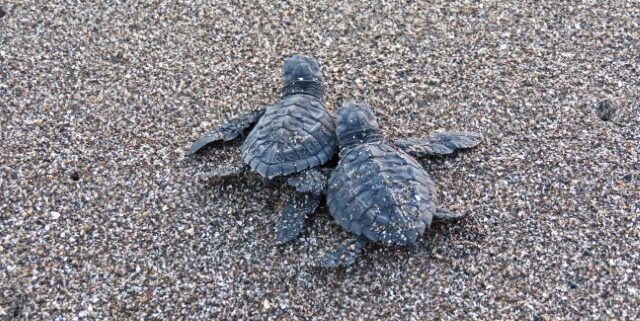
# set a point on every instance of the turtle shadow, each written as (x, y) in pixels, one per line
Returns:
(439, 162)
(214, 149)
(443, 242)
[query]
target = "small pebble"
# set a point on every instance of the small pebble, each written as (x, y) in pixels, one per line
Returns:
(605, 110)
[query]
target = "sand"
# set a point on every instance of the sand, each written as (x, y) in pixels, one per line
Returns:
(102, 218)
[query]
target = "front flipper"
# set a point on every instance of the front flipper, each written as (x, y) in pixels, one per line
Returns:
(346, 254)
(446, 216)
(298, 207)
(229, 131)
(310, 181)
(438, 144)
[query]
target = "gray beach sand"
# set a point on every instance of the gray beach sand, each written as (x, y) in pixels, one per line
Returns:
(101, 217)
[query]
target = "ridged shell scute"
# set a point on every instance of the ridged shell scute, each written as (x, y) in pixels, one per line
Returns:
(296, 134)
(381, 193)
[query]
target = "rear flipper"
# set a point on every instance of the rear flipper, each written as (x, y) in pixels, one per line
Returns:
(310, 181)
(309, 186)
(229, 131)
(346, 254)
(298, 207)
(438, 143)
(446, 216)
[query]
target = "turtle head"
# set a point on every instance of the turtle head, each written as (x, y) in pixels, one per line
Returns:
(301, 68)
(356, 125)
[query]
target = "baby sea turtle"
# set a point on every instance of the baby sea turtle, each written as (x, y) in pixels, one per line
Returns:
(378, 191)
(290, 138)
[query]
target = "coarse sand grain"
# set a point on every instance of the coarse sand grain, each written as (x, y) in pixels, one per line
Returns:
(101, 217)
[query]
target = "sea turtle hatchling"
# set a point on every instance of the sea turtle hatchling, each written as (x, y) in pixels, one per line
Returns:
(290, 138)
(378, 191)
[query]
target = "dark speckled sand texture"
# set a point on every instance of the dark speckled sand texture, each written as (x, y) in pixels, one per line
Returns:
(101, 217)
